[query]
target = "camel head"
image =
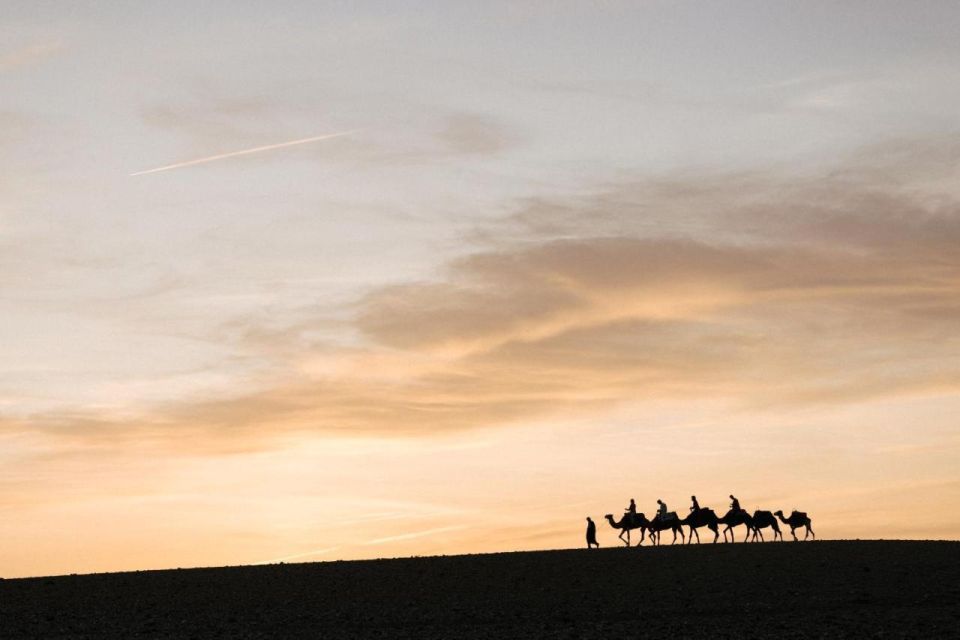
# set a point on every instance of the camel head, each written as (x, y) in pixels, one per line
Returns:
(778, 512)
(609, 517)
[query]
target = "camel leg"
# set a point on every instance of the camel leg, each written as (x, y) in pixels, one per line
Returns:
(793, 533)
(716, 534)
(693, 532)
(748, 534)
(643, 534)
(810, 529)
(622, 540)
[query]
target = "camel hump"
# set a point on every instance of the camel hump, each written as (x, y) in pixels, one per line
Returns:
(799, 514)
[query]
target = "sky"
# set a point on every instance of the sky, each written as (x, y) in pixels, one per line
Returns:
(520, 262)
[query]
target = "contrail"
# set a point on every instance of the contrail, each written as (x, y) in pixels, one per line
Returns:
(232, 154)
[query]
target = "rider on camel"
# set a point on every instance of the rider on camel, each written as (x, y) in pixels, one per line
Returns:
(696, 505)
(662, 511)
(735, 504)
(631, 511)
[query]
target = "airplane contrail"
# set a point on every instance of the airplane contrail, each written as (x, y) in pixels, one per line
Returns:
(244, 152)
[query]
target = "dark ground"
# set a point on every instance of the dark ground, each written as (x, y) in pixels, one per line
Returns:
(873, 589)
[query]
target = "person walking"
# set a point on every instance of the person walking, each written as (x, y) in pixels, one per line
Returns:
(592, 534)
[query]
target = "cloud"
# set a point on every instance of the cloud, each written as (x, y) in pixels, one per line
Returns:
(471, 133)
(28, 55)
(415, 534)
(761, 289)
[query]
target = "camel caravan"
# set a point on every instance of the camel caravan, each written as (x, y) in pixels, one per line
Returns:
(704, 517)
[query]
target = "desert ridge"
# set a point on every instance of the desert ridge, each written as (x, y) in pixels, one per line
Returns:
(796, 590)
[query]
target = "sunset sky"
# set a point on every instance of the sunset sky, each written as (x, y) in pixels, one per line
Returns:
(542, 257)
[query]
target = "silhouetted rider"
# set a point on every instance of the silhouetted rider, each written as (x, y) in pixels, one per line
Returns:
(662, 510)
(632, 509)
(696, 505)
(735, 504)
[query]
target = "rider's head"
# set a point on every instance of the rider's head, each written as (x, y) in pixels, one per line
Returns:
(659, 501)
(693, 497)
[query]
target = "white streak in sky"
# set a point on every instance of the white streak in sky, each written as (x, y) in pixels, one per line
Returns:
(317, 552)
(416, 534)
(232, 154)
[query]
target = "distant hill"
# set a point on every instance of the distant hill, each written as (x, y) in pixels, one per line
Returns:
(782, 590)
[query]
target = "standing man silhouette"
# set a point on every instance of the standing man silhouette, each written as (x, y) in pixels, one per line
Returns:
(592, 534)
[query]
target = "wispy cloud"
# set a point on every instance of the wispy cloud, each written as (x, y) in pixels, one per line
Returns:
(600, 300)
(306, 554)
(244, 152)
(29, 54)
(416, 534)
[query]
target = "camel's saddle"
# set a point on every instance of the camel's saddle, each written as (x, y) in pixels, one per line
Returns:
(667, 517)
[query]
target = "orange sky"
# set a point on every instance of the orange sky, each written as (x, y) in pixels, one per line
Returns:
(492, 309)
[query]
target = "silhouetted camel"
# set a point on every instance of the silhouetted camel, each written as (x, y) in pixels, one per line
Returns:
(657, 525)
(797, 519)
(733, 519)
(701, 518)
(628, 524)
(762, 520)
